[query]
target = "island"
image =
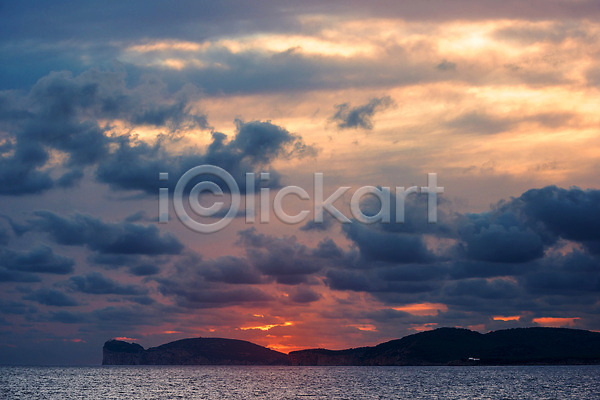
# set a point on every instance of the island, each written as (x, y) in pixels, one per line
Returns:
(443, 346)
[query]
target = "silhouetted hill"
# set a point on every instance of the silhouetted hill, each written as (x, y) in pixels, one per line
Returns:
(452, 346)
(444, 346)
(198, 351)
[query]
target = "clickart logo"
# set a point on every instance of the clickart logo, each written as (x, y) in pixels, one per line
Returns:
(207, 180)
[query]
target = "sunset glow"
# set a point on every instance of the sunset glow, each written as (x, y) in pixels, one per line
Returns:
(368, 171)
(555, 322)
(423, 309)
(507, 318)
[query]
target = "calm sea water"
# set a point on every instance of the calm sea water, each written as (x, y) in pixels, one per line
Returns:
(237, 382)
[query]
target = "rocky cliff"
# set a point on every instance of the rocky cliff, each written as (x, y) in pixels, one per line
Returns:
(116, 352)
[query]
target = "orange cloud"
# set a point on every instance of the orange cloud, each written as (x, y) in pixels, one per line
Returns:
(423, 309)
(479, 327)
(423, 327)
(506, 318)
(267, 327)
(556, 322)
(124, 338)
(364, 327)
(76, 340)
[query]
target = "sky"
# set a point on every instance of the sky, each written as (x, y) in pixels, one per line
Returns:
(498, 99)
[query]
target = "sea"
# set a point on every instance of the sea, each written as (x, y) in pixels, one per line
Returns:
(262, 382)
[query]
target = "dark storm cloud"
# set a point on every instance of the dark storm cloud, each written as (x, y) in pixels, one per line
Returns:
(565, 275)
(7, 275)
(51, 297)
(483, 289)
(105, 237)
(304, 295)
(16, 307)
(218, 282)
(111, 319)
(378, 245)
(462, 269)
(96, 283)
(142, 300)
(327, 249)
(40, 259)
(191, 292)
(371, 281)
(113, 261)
(135, 166)
(500, 239)
(572, 214)
(534, 253)
(118, 318)
(229, 280)
(67, 317)
(282, 258)
(360, 116)
(311, 225)
(415, 215)
(230, 269)
(4, 237)
(141, 20)
(62, 113)
(144, 270)
(506, 259)
(202, 19)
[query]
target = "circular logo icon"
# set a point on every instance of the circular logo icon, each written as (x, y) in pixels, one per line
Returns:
(206, 186)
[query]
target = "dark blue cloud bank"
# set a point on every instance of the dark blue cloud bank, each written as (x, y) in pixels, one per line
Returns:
(63, 113)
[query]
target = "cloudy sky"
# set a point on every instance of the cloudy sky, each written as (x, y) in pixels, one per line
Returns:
(499, 99)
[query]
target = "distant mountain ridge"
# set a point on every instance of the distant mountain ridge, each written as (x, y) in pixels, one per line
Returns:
(443, 346)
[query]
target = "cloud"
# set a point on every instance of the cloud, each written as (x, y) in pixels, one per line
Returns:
(67, 317)
(527, 33)
(377, 245)
(51, 297)
(229, 269)
(446, 65)
(572, 214)
(197, 294)
(480, 123)
(136, 165)
(532, 253)
(104, 237)
(576, 273)
(494, 241)
(304, 295)
(40, 259)
(311, 225)
(63, 114)
(360, 116)
(144, 270)
(282, 258)
(71, 116)
(96, 283)
(7, 275)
